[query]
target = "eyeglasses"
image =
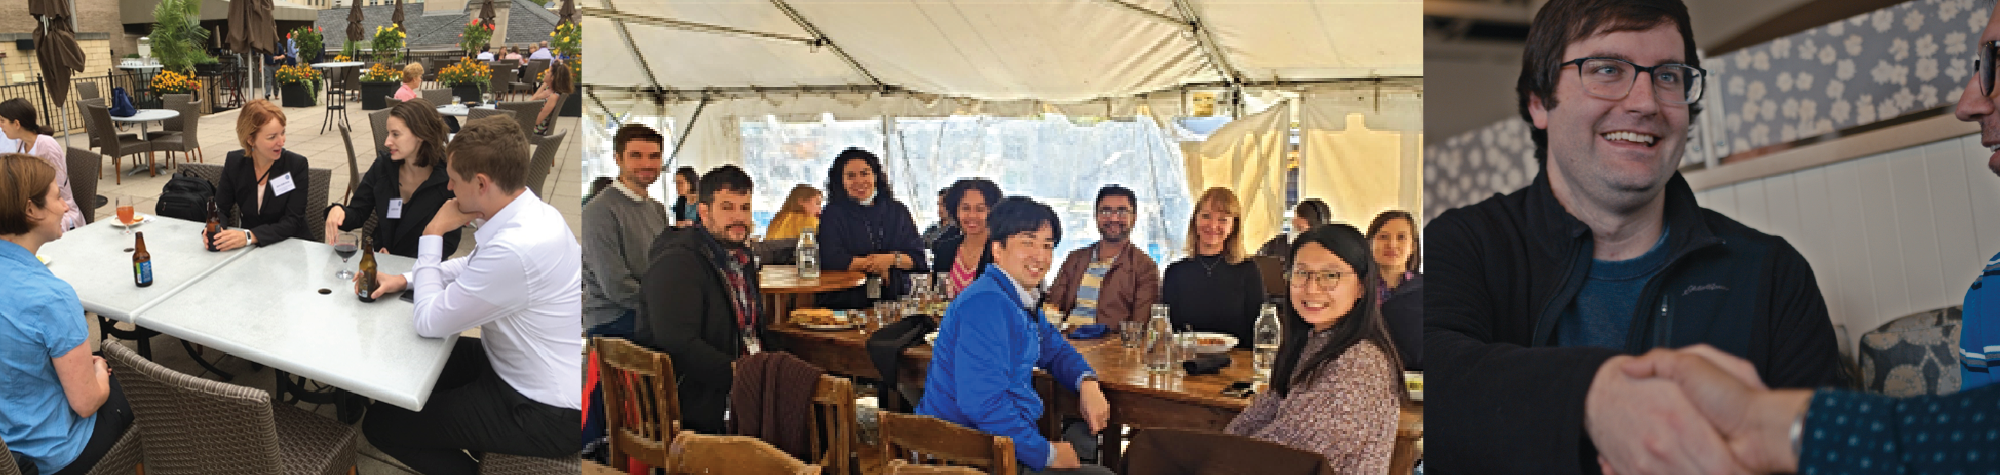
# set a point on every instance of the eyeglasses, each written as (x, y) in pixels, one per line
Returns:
(1612, 78)
(1114, 212)
(1327, 280)
(1985, 66)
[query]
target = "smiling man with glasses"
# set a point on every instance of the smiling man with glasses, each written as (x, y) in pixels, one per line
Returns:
(1111, 280)
(1535, 297)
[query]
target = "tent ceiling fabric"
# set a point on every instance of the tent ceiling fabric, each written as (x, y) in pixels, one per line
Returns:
(1047, 50)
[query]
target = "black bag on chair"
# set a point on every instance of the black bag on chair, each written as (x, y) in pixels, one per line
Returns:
(185, 197)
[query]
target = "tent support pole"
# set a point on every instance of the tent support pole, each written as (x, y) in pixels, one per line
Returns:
(626, 33)
(1149, 13)
(821, 38)
(1208, 44)
(621, 16)
(685, 131)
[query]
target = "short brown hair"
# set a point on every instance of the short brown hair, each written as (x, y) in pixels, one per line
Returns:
(424, 122)
(630, 132)
(253, 117)
(1561, 22)
(494, 146)
(1225, 201)
(24, 182)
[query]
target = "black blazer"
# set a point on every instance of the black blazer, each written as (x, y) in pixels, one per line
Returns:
(382, 183)
(283, 216)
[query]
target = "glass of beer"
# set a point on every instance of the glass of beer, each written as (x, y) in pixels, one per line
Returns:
(125, 213)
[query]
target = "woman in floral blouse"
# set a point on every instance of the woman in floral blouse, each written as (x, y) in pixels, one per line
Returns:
(1335, 388)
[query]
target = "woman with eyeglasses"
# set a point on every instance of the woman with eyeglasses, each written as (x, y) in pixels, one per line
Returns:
(1215, 289)
(1336, 387)
(966, 203)
(1400, 290)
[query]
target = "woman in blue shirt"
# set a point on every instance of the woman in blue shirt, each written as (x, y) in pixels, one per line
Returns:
(59, 409)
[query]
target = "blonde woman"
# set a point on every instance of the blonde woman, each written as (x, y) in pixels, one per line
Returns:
(800, 212)
(413, 79)
(1215, 289)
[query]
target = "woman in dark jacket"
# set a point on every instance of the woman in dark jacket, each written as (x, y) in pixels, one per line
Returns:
(1308, 214)
(864, 229)
(1400, 290)
(967, 201)
(264, 180)
(1216, 288)
(405, 187)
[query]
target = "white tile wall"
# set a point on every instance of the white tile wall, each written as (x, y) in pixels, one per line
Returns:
(1888, 235)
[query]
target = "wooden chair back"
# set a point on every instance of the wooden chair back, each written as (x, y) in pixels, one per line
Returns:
(899, 467)
(925, 439)
(1409, 432)
(835, 433)
(694, 453)
(642, 410)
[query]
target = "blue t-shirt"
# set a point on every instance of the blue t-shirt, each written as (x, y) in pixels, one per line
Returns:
(40, 319)
(1601, 315)
(1979, 332)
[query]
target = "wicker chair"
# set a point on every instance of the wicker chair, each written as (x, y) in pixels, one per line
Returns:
(543, 159)
(437, 97)
(478, 113)
(123, 457)
(354, 178)
(182, 133)
(97, 121)
(83, 113)
(379, 121)
(86, 90)
(84, 167)
(503, 464)
(524, 113)
(498, 84)
(193, 425)
(318, 180)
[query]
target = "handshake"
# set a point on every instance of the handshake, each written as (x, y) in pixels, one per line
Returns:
(1691, 410)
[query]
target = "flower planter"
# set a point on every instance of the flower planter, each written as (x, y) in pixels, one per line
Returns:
(297, 94)
(572, 107)
(373, 93)
(465, 93)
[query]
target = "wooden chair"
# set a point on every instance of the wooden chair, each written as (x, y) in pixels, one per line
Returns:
(504, 464)
(642, 410)
(694, 453)
(1409, 432)
(899, 467)
(925, 439)
(835, 433)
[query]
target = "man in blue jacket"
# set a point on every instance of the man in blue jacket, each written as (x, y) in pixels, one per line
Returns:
(995, 335)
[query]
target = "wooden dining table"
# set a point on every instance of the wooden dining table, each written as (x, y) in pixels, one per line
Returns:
(783, 290)
(1137, 397)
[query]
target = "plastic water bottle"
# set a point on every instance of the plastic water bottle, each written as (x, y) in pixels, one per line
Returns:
(808, 256)
(1266, 342)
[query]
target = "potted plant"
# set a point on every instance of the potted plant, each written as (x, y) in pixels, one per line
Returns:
(388, 44)
(475, 35)
(377, 82)
(295, 83)
(466, 78)
(170, 83)
(310, 42)
(567, 41)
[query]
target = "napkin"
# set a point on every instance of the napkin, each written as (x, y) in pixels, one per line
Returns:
(1206, 364)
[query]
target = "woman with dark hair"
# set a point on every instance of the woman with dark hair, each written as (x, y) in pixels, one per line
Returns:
(60, 409)
(552, 90)
(405, 187)
(684, 180)
(1400, 291)
(1306, 215)
(966, 202)
(1216, 288)
(263, 181)
(18, 122)
(1335, 387)
(865, 229)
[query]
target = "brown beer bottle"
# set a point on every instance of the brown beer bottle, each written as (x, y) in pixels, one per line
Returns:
(365, 288)
(142, 262)
(214, 224)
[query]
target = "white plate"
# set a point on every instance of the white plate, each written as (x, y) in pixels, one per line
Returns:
(1229, 342)
(838, 314)
(137, 219)
(930, 337)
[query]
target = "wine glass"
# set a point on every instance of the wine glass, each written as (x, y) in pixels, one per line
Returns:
(455, 100)
(345, 245)
(125, 213)
(486, 98)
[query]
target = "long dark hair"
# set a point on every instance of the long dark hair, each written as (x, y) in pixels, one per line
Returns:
(20, 110)
(954, 195)
(1363, 322)
(424, 122)
(1416, 246)
(835, 193)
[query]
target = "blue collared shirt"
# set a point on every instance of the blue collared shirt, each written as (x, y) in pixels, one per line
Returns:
(40, 319)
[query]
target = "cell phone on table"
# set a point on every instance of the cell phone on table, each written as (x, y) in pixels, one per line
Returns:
(408, 296)
(1241, 389)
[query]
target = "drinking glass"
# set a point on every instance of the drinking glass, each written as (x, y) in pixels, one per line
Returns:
(1131, 333)
(486, 98)
(125, 214)
(346, 244)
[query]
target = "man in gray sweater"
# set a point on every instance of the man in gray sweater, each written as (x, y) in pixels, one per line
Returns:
(618, 226)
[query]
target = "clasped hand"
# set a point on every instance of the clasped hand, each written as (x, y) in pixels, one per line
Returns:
(1691, 410)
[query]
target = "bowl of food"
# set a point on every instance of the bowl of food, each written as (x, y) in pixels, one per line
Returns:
(1205, 343)
(821, 319)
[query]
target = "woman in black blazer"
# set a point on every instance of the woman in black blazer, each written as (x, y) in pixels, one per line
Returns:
(265, 181)
(405, 187)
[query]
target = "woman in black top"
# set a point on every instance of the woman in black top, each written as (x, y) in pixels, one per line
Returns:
(1400, 288)
(405, 187)
(1216, 289)
(1308, 214)
(865, 229)
(267, 182)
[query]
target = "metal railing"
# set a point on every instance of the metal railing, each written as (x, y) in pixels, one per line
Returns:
(36, 92)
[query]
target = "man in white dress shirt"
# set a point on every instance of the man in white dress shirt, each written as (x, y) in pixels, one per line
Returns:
(514, 389)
